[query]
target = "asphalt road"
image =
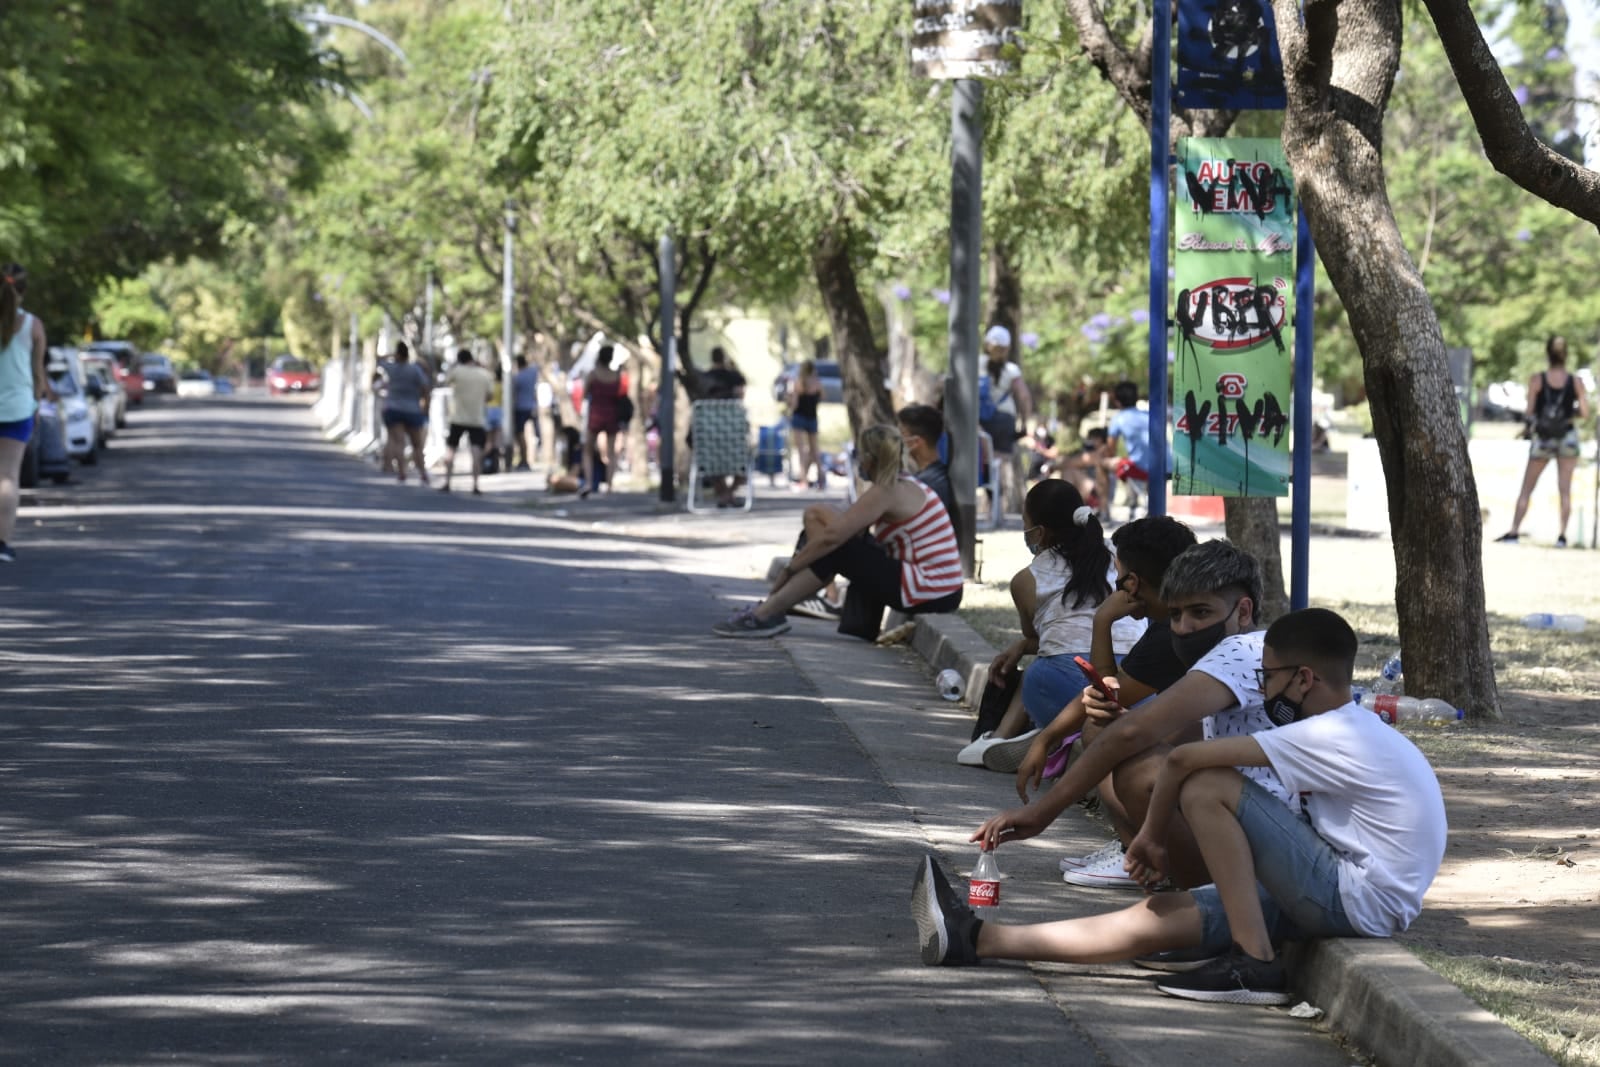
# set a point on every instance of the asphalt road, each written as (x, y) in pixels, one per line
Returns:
(300, 765)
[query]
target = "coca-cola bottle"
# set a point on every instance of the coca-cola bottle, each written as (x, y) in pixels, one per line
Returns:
(1392, 709)
(983, 888)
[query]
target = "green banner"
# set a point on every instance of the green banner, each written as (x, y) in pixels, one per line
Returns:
(1235, 280)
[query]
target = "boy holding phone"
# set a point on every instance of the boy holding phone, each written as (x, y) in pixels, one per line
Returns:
(1355, 863)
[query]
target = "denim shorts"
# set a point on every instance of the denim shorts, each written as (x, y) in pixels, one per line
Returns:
(1049, 684)
(801, 424)
(20, 430)
(1297, 876)
(415, 420)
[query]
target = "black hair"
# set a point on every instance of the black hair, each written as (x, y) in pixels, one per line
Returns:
(1059, 508)
(13, 283)
(522, 361)
(464, 356)
(922, 420)
(1213, 568)
(718, 356)
(1318, 638)
(604, 355)
(1555, 350)
(1127, 394)
(401, 352)
(1148, 546)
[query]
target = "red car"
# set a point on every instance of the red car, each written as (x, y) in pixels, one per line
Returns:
(290, 375)
(127, 361)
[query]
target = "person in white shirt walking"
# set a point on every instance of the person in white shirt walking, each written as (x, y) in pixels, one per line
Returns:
(471, 386)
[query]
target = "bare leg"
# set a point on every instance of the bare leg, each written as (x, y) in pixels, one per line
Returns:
(1564, 468)
(789, 594)
(11, 453)
(1529, 480)
(610, 438)
(1210, 803)
(1157, 923)
(588, 463)
(1134, 782)
(476, 451)
(419, 448)
(1015, 720)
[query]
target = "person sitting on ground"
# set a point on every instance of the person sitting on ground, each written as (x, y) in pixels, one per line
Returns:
(1355, 864)
(1143, 550)
(1082, 468)
(1056, 596)
(909, 561)
(1211, 592)
(921, 426)
(1131, 427)
(1044, 458)
(471, 386)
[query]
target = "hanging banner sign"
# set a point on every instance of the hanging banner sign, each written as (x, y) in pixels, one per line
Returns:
(963, 38)
(1228, 55)
(1234, 271)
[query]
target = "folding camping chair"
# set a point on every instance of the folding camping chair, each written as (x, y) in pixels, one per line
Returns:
(721, 450)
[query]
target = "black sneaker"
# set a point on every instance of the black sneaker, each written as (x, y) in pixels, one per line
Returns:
(748, 624)
(945, 925)
(1233, 978)
(814, 607)
(7, 553)
(1508, 538)
(1177, 960)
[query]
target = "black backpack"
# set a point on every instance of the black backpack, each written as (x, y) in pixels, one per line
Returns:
(1552, 419)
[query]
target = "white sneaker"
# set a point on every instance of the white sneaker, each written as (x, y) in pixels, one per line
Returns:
(1107, 874)
(1006, 756)
(1110, 849)
(972, 755)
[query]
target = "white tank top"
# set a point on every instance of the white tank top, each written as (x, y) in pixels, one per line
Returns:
(1065, 630)
(16, 373)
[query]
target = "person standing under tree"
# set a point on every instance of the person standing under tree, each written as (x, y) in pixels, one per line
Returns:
(805, 393)
(525, 412)
(23, 383)
(1553, 396)
(470, 389)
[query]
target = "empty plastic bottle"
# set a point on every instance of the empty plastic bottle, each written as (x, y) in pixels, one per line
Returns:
(1392, 709)
(949, 683)
(1543, 620)
(1393, 668)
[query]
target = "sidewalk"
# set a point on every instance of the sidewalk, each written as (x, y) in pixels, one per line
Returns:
(1385, 1000)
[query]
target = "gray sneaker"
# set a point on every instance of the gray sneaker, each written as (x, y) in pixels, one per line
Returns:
(1233, 978)
(1007, 755)
(1177, 960)
(748, 624)
(945, 925)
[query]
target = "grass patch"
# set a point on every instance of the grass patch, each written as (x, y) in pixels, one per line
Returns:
(1545, 1003)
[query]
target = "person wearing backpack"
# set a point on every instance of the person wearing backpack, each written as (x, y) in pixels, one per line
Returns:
(1554, 396)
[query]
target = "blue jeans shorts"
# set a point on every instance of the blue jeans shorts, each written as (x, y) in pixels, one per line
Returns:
(1049, 684)
(20, 430)
(801, 424)
(415, 420)
(1297, 876)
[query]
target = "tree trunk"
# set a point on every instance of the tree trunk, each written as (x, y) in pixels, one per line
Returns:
(1252, 524)
(1339, 67)
(1005, 292)
(860, 363)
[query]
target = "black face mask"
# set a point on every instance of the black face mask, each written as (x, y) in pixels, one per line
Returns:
(1190, 648)
(1281, 710)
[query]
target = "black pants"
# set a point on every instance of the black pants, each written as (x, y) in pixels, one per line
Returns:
(874, 585)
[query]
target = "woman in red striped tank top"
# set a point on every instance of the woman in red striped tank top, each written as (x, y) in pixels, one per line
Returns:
(895, 542)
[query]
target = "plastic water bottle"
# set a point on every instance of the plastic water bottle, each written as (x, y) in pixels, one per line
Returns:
(1393, 668)
(1543, 620)
(1393, 709)
(949, 683)
(983, 888)
(1383, 687)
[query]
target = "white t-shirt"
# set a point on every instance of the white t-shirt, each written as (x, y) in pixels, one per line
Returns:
(1233, 662)
(1371, 795)
(1000, 391)
(1063, 629)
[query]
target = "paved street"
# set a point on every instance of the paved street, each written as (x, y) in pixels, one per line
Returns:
(300, 765)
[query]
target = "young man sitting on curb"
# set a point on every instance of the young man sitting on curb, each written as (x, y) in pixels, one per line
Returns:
(1210, 591)
(1355, 863)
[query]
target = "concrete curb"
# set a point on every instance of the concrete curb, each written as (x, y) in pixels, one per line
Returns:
(1375, 992)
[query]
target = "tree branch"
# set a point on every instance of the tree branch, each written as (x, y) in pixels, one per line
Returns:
(1511, 146)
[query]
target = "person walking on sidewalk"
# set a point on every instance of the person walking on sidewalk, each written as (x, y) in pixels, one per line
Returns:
(909, 561)
(471, 386)
(1554, 396)
(525, 412)
(1353, 861)
(23, 383)
(406, 388)
(805, 393)
(603, 391)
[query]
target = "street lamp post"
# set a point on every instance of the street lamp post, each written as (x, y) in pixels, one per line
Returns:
(508, 327)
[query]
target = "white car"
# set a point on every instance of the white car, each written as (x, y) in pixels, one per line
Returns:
(193, 383)
(80, 416)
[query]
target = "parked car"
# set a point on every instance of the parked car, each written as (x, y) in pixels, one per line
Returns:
(827, 373)
(80, 416)
(196, 383)
(290, 375)
(126, 356)
(159, 377)
(46, 454)
(102, 366)
(224, 386)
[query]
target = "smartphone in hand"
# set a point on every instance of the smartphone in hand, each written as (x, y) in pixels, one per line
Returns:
(1109, 692)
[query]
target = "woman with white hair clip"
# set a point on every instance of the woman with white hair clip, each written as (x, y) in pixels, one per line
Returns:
(909, 560)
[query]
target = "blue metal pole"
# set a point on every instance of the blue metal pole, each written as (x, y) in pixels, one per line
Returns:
(1160, 236)
(1300, 522)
